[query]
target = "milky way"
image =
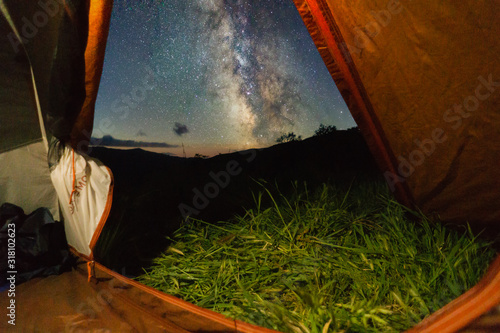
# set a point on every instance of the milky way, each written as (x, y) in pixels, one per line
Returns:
(260, 94)
(235, 72)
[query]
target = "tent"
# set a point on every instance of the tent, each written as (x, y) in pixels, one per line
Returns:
(420, 78)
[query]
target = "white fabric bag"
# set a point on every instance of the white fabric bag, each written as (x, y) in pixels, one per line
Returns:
(85, 189)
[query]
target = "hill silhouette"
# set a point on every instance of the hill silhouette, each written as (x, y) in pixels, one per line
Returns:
(154, 193)
(110, 141)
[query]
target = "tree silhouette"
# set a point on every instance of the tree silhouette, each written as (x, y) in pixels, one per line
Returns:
(324, 130)
(290, 137)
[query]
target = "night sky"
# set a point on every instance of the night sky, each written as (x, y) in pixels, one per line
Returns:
(213, 75)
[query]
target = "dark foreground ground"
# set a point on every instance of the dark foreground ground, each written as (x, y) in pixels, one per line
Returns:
(154, 193)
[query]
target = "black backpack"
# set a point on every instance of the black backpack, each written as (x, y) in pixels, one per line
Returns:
(31, 245)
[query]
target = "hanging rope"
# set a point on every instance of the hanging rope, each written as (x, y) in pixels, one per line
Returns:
(73, 190)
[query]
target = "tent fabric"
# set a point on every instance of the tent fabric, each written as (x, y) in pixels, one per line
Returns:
(99, 17)
(40, 29)
(66, 92)
(487, 323)
(67, 78)
(110, 303)
(421, 80)
(30, 192)
(16, 99)
(335, 54)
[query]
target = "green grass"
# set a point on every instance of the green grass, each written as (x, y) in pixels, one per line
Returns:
(332, 261)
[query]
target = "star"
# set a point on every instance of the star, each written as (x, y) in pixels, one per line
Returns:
(235, 71)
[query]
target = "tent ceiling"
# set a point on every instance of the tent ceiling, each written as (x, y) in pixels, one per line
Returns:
(17, 106)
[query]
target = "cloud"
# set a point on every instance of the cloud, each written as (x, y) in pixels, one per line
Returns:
(109, 141)
(180, 129)
(141, 133)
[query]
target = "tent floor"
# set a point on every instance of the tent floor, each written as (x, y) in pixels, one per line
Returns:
(69, 303)
(113, 303)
